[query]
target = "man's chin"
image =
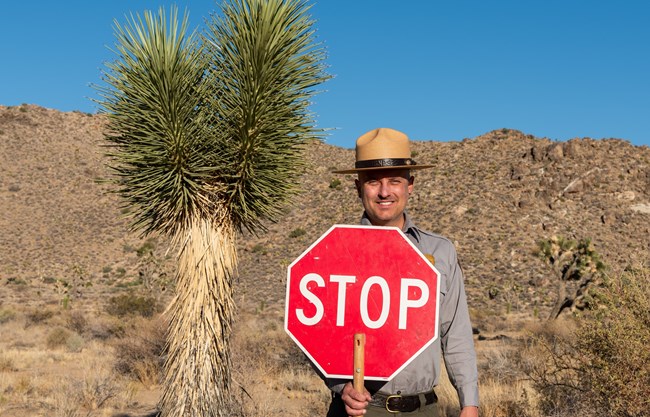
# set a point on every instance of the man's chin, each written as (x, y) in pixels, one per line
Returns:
(382, 220)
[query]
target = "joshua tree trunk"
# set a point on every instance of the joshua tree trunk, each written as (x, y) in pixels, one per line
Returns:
(562, 301)
(197, 369)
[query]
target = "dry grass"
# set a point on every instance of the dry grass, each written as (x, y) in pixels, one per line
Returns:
(139, 352)
(270, 373)
(271, 376)
(499, 399)
(47, 371)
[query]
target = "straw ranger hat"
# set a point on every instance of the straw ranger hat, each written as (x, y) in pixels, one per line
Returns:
(383, 148)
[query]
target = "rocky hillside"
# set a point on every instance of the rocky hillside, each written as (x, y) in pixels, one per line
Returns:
(495, 196)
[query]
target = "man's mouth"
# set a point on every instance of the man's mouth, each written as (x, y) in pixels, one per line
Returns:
(385, 203)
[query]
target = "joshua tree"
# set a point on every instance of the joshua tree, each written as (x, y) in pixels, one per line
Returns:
(206, 134)
(571, 261)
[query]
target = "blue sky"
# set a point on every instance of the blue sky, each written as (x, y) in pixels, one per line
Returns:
(435, 70)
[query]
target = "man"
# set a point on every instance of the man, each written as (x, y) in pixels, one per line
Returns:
(384, 184)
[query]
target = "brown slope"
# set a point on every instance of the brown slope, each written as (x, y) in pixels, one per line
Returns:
(495, 196)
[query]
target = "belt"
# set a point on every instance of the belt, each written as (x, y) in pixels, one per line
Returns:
(402, 403)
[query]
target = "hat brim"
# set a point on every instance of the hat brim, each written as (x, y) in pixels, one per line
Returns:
(409, 167)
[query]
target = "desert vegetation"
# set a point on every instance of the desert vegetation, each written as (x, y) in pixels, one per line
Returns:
(83, 301)
(81, 360)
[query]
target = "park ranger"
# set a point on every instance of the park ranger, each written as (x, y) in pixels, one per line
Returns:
(384, 184)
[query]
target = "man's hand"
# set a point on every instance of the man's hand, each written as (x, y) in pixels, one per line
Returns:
(469, 411)
(355, 401)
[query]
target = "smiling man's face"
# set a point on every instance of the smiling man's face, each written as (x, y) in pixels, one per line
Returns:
(384, 194)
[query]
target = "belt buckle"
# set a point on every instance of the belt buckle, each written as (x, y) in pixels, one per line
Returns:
(388, 399)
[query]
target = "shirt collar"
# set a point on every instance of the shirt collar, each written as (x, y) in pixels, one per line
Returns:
(409, 227)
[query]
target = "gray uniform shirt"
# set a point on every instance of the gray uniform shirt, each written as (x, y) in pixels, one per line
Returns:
(456, 342)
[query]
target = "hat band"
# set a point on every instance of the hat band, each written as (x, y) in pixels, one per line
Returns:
(384, 163)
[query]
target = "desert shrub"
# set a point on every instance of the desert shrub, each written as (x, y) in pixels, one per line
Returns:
(139, 353)
(297, 233)
(37, 316)
(7, 315)
(259, 248)
(61, 337)
(147, 247)
(75, 342)
(104, 328)
(77, 322)
(131, 304)
(83, 395)
(605, 364)
(614, 341)
(550, 361)
(335, 183)
(58, 337)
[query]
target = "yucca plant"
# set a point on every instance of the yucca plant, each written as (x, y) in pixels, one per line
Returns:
(206, 135)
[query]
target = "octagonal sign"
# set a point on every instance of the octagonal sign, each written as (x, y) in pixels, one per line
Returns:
(362, 279)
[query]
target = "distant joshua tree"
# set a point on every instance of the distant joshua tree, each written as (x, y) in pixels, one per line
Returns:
(571, 261)
(205, 133)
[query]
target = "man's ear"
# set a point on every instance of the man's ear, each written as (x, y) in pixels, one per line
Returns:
(357, 184)
(411, 182)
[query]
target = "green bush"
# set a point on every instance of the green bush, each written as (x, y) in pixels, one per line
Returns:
(6, 315)
(74, 343)
(259, 248)
(297, 233)
(614, 341)
(147, 248)
(131, 304)
(602, 367)
(58, 337)
(335, 183)
(61, 337)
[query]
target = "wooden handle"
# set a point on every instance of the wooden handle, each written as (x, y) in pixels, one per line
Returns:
(359, 350)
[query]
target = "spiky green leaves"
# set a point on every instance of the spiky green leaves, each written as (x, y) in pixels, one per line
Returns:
(161, 153)
(265, 66)
(196, 126)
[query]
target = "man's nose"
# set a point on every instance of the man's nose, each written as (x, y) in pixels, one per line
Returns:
(383, 189)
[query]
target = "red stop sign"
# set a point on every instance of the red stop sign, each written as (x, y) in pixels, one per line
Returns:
(362, 279)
